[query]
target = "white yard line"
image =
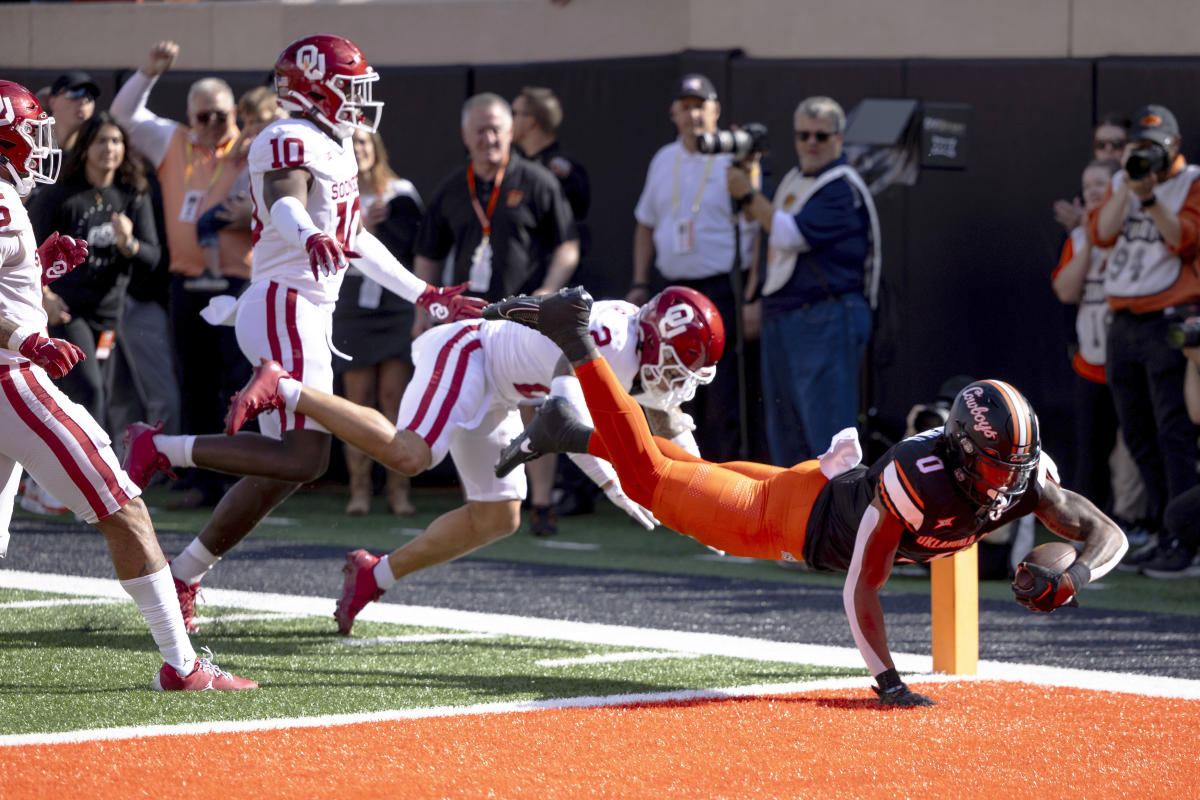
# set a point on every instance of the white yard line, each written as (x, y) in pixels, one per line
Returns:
(917, 668)
(610, 658)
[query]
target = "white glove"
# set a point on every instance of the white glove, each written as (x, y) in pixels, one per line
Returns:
(619, 499)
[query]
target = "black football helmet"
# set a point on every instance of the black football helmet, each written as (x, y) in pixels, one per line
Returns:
(992, 434)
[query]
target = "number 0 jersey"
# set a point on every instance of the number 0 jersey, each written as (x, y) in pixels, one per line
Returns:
(917, 486)
(332, 203)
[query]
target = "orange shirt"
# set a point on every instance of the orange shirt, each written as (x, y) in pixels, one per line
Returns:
(191, 176)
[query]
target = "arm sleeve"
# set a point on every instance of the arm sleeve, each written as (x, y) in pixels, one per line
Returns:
(148, 132)
(378, 264)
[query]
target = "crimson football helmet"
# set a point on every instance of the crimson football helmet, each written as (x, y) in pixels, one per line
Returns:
(993, 436)
(682, 338)
(27, 146)
(328, 77)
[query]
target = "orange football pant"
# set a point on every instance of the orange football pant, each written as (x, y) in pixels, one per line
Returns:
(741, 507)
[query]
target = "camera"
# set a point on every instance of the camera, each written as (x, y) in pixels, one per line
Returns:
(746, 140)
(1185, 333)
(1145, 160)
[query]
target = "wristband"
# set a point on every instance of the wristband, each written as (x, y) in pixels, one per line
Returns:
(1080, 574)
(18, 338)
(889, 680)
(1149, 201)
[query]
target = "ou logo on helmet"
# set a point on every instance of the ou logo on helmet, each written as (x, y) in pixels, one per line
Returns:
(676, 320)
(311, 61)
(7, 117)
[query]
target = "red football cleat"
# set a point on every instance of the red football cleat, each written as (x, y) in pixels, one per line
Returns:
(187, 603)
(358, 589)
(205, 676)
(259, 395)
(142, 459)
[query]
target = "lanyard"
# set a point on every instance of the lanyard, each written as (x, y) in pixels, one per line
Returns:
(220, 152)
(485, 219)
(708, 164)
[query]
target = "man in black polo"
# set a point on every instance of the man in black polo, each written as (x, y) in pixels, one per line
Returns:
(504, 218)
(511, 231)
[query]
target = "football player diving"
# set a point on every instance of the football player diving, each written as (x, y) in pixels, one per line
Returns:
(929, 496)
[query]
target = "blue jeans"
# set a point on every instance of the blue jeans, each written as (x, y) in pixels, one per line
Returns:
(810, 361)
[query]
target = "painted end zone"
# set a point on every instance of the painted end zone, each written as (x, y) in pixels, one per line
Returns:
(983, 739)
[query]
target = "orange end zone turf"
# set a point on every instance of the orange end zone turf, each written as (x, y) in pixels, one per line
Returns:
(986, 739)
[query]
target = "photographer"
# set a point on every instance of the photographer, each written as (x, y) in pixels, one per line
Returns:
(815, 317)
(1151, 221)
(686, 227)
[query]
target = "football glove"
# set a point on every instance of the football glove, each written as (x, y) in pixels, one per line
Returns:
(640, 514)
(447, 303)
(60, 254)
(56, 356)
(1040, 588)
(325, 255)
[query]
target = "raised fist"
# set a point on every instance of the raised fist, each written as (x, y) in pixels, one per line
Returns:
(56, 356)
(447, 303)
(325, 255)
(60, 254)
(160, 59)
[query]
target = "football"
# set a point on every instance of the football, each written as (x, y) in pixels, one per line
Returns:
(1051, 555)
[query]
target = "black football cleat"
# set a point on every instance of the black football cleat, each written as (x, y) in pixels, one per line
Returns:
(562, 317)
(555, 428)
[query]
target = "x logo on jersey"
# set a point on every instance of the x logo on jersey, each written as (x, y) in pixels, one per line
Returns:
(944, 523)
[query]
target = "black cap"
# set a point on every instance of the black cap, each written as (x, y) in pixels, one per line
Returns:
(696, 85)
(75, 79)
(1155, 123)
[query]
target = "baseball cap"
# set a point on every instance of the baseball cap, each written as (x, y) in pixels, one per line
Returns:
(696, 85)
(75, 79)
(1155, 123)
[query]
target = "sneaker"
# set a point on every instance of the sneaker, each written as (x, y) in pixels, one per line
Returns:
(205, 676)
(187, 594)
(555, 428)
(259, 395)
(37, 500)
(542, 522)
(142, 459)
(1135, 559)
(358, 588)
(561, 316)
(1172, 561)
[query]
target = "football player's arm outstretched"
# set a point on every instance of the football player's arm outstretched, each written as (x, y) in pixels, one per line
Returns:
(875, 547)
(1071, 516)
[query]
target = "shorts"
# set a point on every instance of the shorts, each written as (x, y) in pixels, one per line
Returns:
(451, 404)
(278, 323)
(60, 445)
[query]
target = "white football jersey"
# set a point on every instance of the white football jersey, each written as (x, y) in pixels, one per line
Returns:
(333, 204)
(520, 361)
(20, 283)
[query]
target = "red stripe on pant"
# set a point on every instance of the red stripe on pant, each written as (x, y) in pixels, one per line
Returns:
(435, 381)
(294, 345)
(60, 448)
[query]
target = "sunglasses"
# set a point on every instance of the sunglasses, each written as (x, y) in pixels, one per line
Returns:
(820, 136)
(80, 92)
(1108, 144)
(205, 117)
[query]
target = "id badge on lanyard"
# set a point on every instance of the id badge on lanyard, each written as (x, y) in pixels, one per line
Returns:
(480, 274)
(685, 227)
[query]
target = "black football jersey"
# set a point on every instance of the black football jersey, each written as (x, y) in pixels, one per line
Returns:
(918, 488)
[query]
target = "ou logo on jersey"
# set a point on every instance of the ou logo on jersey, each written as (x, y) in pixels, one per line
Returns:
(312, 61)
(676, 320)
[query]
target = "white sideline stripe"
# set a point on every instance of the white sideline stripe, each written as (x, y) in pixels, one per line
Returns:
(917, 667)
(557, 545)
(610, 658)
(244, 617)
(85, 601)
(416, 637)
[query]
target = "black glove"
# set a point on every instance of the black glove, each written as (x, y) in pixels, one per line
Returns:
(894, 692)
(1039, 588)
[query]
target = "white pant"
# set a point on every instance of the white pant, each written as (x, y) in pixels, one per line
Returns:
(59, 444)
(452, 405)
(278, 323)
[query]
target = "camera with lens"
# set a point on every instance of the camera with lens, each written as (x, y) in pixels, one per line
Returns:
(747, 140)
(1185, 333)
(1145, 160)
